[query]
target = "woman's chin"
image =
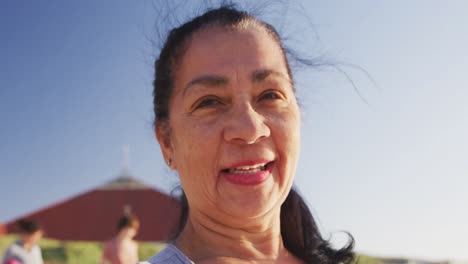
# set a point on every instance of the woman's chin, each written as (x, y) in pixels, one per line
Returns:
(249, 205)
(250, 212)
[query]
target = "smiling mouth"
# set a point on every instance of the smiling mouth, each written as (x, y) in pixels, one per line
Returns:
(249, 174)
(248, 169)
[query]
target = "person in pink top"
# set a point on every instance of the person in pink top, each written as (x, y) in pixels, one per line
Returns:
(122, 249)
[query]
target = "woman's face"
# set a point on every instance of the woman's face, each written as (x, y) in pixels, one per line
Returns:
(234, 124)
(33, 238)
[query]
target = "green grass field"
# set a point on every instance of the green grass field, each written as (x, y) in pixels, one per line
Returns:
(74, 252)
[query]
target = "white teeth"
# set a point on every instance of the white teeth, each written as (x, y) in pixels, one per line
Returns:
(248, 169)
(244, 171)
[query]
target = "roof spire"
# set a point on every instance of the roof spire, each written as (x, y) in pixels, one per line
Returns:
(126, 160)
(125, 180)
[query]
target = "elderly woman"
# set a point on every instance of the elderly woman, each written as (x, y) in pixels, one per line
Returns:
(228, 122)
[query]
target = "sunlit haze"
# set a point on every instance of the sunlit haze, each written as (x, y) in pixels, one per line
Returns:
(385, 159)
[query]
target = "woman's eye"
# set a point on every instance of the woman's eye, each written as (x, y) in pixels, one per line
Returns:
(270, 95)
(207, 102)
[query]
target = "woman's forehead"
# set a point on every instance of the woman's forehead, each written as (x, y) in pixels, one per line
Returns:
(217, 50)
(217, 36)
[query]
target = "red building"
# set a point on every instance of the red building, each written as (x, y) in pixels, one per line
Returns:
(93, 215)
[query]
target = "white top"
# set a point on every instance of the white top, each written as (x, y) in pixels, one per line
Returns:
(169, 255)
(19, 253)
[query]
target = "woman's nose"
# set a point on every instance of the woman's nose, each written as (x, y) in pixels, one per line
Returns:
(245, 126)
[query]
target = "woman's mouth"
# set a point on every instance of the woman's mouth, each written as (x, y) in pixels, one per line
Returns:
(247, 169)
(248, 174)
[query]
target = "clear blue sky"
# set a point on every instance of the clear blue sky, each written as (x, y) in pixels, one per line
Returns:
(75, 86)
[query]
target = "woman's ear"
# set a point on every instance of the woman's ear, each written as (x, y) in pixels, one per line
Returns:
(163, 136)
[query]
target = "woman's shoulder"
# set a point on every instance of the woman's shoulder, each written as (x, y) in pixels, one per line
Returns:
(17, 252)
(169, 255)
(14, 249)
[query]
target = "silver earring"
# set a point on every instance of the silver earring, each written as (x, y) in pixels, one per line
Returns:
(169, 162)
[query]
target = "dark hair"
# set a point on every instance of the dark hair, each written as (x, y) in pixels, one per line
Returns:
(127, 220)
(27, 226)
(299, 231)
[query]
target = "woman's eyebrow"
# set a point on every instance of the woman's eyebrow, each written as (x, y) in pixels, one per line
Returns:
(219, 81)
(261, 75)
(207, 80)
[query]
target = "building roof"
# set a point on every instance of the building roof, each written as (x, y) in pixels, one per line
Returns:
(93, 215)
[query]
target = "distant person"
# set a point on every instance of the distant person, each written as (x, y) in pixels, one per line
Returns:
(25, 250)
(122, 249)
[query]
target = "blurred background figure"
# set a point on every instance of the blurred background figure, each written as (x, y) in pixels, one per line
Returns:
(122, 249)
(25, 250)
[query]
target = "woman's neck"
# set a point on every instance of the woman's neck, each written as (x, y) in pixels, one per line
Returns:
(204, 238)
(26, 245)
(122, 237)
